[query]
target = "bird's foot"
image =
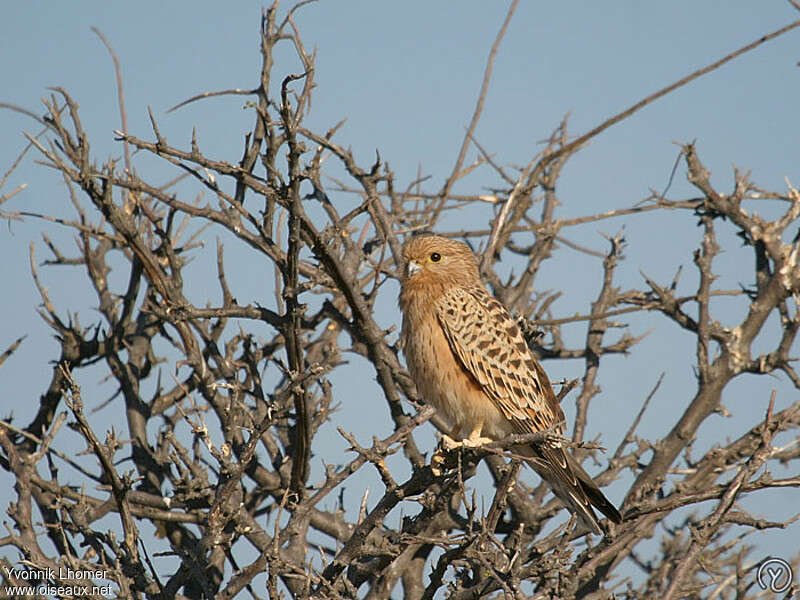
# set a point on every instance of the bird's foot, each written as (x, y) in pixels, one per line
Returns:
(449, 443)
(476, 441)
(446, 444)
(473, 441)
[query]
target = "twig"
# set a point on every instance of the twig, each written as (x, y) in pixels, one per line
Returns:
(629, 435)
(203, 95)
(487, 76)
(123, 115)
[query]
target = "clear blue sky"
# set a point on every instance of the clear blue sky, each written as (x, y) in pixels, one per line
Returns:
(406, 76)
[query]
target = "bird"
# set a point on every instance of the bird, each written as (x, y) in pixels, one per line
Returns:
(468, 358)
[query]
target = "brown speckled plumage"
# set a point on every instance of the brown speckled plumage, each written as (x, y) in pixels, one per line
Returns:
(469, 360)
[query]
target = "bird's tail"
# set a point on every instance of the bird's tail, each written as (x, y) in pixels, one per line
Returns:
(573, 486)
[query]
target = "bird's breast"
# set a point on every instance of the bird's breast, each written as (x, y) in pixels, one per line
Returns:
(442, 380)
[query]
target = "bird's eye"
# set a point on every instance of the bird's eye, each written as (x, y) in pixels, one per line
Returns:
(436, 257)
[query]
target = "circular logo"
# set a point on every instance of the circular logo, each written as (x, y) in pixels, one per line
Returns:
(775, 575)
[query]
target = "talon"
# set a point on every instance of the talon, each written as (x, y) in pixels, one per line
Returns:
(476, 442)
(449, 443)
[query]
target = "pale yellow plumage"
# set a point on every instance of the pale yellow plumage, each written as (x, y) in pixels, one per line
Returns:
(469, 359)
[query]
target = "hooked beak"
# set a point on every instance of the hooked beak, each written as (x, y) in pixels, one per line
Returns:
(412, 268)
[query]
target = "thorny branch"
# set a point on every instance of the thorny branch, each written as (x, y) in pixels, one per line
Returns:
(224, 406)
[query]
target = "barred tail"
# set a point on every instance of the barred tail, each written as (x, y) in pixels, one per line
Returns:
(573, 486)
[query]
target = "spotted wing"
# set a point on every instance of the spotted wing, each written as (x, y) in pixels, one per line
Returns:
(490, 346)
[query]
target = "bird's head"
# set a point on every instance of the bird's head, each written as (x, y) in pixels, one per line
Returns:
(438, 261)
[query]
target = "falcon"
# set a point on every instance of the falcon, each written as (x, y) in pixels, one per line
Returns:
(469, 360)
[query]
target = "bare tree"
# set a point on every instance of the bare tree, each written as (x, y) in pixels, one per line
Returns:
(218, 442)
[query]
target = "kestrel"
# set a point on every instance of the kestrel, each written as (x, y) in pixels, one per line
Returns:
(470, 361)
